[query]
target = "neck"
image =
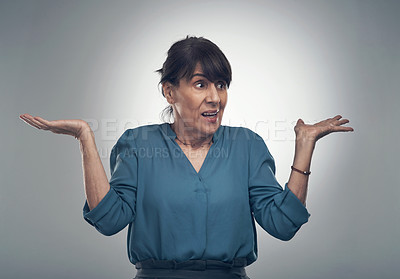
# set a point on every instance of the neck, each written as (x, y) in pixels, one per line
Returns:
(190, 139)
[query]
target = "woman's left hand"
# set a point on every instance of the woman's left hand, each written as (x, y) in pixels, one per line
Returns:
(318, 130)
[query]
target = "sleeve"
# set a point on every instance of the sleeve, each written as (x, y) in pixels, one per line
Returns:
(278, 211)
(117, 208)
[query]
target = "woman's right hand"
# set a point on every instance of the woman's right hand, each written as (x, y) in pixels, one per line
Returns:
(74, 127)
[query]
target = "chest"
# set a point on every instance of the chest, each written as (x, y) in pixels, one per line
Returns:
(196, 157)
(186, 182)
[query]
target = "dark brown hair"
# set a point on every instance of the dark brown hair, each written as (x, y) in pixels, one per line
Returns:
(183, 57)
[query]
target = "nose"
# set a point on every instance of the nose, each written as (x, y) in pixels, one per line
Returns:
(212, 95)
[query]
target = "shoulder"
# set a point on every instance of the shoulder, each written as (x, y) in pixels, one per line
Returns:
(246, 139)
(240, 134)
(145, 133)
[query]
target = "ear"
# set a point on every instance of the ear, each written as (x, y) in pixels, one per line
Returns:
(168, 89)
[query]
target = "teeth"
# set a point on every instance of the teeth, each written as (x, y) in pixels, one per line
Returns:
(210, 113)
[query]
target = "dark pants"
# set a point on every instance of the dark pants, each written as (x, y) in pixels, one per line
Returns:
(193, 269)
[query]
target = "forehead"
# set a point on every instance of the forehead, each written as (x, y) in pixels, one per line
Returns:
(209, 73)
(198, 72)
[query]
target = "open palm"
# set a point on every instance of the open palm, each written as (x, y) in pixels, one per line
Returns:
(318, 130)
(73, 127)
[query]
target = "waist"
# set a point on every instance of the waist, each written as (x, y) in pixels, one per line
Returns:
(237, 263)
(237, 273)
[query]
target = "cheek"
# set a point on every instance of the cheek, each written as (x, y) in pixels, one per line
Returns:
(188, 106)
(224, 100)
(194, 103)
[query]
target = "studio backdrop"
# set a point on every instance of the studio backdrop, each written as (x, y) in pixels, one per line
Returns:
(96, 60)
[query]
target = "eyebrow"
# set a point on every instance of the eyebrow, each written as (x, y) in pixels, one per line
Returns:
(200, 75)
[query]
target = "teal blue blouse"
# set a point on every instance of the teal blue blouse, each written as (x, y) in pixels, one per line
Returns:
(175, 213)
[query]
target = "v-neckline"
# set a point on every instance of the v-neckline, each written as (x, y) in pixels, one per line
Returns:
(201, 170)
(190, 163)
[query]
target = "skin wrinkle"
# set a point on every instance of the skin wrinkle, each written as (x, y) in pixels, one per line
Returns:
(189, 100)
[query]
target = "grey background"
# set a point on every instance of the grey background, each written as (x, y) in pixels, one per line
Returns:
(95, 60)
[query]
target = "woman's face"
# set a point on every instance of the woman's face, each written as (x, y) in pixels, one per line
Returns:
(198, 105)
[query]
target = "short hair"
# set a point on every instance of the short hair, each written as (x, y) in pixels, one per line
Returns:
(183, 57)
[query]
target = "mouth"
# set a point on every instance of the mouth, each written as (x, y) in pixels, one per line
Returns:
(210, 113)
(211, 116)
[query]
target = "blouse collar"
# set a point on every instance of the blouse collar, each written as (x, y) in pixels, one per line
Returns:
(167, 130)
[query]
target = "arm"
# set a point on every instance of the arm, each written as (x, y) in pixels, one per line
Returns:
(306, 137)
(278, 211)
(302, 160)
(282, 212)
(95, 179)
(116, 206)
(110, 205)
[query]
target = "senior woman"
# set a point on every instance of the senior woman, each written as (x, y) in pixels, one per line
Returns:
(190, 191)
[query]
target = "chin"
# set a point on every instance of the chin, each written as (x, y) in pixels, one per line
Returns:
(211, 129)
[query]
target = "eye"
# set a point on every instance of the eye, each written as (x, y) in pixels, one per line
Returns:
(221, 85)
(200, 84)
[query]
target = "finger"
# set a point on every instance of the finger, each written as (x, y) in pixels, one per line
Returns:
(42, 121)
(343, 129)
(30, 122)
(343, 121)
(337, 117)
(24, 116)
(300, 121)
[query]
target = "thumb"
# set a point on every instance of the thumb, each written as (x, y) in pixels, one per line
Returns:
(300, 121)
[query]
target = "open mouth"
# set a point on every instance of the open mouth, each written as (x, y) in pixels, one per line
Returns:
(211, 116)
(210, 113)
